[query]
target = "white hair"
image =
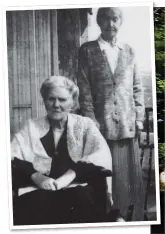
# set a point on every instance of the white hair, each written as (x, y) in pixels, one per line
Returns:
(101, 12)
(60, 81)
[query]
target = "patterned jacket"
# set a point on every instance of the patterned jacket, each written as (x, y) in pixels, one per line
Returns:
(115, 100)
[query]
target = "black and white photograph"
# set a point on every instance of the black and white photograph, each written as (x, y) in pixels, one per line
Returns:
(82, 114)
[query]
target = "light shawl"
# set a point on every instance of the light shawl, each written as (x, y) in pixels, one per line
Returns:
(84, 141)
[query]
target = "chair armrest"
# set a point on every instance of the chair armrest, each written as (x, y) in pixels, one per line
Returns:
(86, 172)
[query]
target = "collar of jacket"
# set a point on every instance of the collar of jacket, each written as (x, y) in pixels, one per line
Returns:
(117, 43)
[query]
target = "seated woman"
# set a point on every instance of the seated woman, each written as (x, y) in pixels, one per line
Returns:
(58, 163)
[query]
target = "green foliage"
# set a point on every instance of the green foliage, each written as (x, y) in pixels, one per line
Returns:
(160, 55)
(159, 23)
(161, 151)
(160, 84)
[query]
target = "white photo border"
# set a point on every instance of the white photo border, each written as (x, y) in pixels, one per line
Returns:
(7, 116)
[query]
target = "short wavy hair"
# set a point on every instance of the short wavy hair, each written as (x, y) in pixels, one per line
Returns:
(101, 12)
(60, 81)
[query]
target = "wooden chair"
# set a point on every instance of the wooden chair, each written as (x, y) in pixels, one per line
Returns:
(146, 142)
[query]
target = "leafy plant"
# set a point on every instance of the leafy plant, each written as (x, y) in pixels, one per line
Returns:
(161, 151)
(159, 23)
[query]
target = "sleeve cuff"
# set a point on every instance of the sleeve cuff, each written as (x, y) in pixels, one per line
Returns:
(139, 120)
(21, 173)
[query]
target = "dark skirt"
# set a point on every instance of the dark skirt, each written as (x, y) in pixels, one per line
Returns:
(127, 183)
(82, 204)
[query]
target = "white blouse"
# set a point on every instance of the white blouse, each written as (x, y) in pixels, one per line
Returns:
(57, 133)
(110, 51)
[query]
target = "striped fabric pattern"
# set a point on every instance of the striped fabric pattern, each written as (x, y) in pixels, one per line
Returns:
(127, 183)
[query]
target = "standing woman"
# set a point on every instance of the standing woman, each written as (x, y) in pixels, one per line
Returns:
(111, 94)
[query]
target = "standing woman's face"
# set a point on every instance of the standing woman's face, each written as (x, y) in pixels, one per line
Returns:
(58, 103)
(110, 24)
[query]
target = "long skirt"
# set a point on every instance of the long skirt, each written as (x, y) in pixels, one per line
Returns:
(127, 182)
(82, 204)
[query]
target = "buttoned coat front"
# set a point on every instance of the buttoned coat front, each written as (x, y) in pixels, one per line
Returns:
(116, 99)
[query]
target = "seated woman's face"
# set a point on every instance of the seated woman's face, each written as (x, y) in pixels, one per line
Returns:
(58, 103)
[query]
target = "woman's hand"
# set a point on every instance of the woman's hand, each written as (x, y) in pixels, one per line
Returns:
(109, 198)
(109, 202)
(44, 182)
(139, 125)
(47, 183)
(64, 180)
